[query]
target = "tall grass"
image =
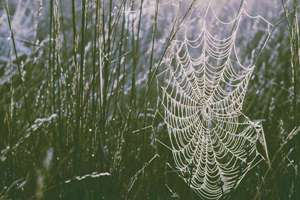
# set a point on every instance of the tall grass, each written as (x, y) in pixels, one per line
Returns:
(79, 118)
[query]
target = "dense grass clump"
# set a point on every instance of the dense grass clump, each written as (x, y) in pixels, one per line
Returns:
(79, 102)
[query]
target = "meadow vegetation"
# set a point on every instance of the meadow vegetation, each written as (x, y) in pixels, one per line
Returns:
(79, 103)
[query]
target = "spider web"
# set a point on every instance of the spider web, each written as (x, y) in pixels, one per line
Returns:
(203, 88)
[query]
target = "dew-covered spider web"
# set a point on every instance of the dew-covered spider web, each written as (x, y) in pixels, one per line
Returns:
(203, 85)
